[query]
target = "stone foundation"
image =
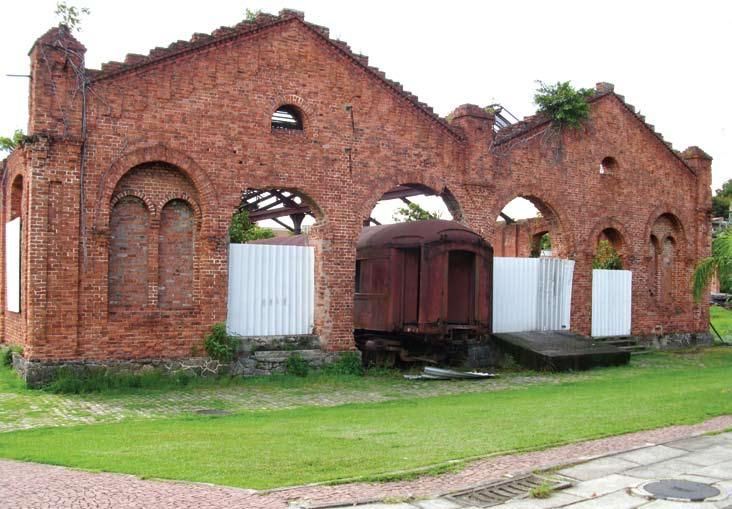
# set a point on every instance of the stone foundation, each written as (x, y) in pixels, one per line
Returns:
(257, 356)
(675, 340)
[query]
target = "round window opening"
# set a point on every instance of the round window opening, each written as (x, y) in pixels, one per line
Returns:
(608, 166)
(288, 118)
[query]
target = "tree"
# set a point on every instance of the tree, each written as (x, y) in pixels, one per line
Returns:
(721, 200)
(414, 212)
(251, 15)
(719, 264)
(242, 230)
(606, 257)
(70, 16)
(566, 106)
(10, 144)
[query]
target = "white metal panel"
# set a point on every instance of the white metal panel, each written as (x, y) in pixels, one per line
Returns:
(531, 294)
(12, 264)
(612, 305)
(271, 290)
(515, 293)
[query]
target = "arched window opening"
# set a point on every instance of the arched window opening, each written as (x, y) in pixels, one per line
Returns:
(527, 228)
(16, 198)
(287, 117)
(608, 250)
(176, 255)
(608, 166)
(413, 202)
(128, 251)
(666, 233)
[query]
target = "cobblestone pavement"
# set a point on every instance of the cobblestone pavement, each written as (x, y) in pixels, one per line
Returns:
(25, 409)
(28, 485)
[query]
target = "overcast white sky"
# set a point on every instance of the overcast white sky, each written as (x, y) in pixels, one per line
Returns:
(670, 59)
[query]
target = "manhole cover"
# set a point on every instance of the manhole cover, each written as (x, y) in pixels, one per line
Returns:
(496, 493)
(680, 489)
(212, 411)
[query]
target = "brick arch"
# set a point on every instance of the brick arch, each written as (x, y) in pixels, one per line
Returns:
(682, 242)
(547, 205)
(182, 197)
(155, 153)
(295, 100)
(151, 208)
(609, 223)
(371, 198)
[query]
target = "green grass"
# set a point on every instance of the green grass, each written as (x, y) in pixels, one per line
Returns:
(286, 447)
(722, 320)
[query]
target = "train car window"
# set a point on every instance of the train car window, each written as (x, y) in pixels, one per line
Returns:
(358, 276)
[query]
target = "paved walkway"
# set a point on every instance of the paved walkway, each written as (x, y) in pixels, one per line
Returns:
(602, 481)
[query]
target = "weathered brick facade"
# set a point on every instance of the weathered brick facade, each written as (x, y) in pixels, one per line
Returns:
(128, 183)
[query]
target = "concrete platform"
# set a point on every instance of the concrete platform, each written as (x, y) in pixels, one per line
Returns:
(559, 351)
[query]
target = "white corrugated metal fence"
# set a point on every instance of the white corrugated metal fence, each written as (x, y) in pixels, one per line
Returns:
(271, 290)
(12, 264)
(531, 294)
(611, 302)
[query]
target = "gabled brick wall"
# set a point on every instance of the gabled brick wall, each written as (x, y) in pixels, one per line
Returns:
(148, 174)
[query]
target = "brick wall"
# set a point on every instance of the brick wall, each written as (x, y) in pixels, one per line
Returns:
(138, 214)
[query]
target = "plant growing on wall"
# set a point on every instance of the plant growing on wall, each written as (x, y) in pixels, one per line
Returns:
(565, 105)
(606, 257)
(242, 230)
(70, 16)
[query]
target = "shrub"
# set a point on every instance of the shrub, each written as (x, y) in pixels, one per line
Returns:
(296, 365)
(242, 230)
(349, 363)
(6, 354)
(607, 257)
(219, 344)
(566, 106)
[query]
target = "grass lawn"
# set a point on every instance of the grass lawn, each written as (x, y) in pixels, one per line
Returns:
(265, 449)
(722, 321)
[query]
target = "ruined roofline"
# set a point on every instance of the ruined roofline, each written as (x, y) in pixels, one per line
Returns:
(538, 120)
(261, 23)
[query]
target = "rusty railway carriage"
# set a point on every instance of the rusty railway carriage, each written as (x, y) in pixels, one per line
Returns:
(423, 288)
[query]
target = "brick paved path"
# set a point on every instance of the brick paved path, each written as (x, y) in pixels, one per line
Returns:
(27, 485)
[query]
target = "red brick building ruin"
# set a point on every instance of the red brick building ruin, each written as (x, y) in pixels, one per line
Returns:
(130, 175)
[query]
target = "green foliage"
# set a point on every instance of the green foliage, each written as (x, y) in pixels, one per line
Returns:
(544, 490)
(296, 365)
(96, 380)
(251, 15)
(11, 143)
(242, 230)
(349, 363)
(606, 257)
(6, 354)
(414, 212)
(721, 200)
(219, 344)
(70, 16)
(566, 105)
(719, 264)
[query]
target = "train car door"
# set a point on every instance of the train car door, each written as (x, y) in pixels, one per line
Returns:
(461, 287)
(410, 286)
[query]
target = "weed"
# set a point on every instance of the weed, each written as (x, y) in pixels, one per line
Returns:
(6, 354)
(296, 365)
(544, 490)
(219, 344)
(349, 363)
